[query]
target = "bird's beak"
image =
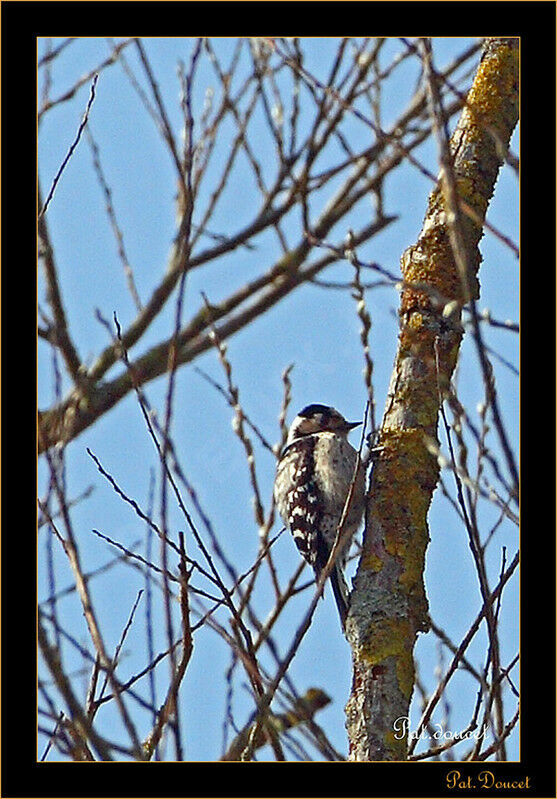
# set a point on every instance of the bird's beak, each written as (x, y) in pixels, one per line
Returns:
(352, 425)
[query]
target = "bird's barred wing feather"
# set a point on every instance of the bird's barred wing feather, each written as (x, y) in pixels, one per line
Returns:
(298, 502)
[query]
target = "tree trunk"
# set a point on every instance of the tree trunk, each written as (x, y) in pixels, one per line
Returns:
(389, 605)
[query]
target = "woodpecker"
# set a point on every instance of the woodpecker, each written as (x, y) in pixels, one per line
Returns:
(315, 472)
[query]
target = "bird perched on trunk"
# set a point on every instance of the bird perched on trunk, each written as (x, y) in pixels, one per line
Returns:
(318, 470)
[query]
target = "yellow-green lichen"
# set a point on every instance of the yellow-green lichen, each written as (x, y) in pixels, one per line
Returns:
(372, 563)
(396, 744)
(402, 494)
(494, 90)
(392, 638)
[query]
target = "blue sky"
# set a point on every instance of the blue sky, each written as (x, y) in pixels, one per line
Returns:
(316, 329)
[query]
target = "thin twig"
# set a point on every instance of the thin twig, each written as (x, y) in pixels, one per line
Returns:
(74, 144)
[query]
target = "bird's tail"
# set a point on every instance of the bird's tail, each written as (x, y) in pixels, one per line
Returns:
(340, 590)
